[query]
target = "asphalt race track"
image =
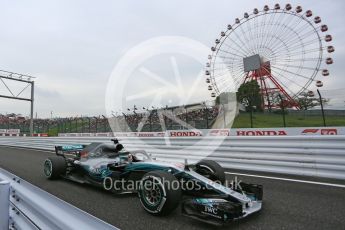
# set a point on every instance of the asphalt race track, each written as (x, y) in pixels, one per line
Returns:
(287, 204)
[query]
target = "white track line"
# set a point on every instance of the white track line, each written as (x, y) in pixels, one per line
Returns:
(30, 149)
(288, 179)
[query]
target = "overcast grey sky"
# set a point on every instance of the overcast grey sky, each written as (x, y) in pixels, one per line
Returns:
(73, 46)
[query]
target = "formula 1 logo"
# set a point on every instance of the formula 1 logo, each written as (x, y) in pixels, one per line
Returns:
(310, 131)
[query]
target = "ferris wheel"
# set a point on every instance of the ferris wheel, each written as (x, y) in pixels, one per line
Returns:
(284, 49)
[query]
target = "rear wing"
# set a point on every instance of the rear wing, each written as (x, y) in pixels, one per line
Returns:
(69, 149)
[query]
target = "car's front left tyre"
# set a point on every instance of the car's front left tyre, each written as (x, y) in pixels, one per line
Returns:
(159, 192)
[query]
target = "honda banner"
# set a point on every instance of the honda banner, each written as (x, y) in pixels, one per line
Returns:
(220, 132)
(288, 131)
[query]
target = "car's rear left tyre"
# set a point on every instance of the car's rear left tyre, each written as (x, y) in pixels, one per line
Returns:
(159, 192)
(54, 167)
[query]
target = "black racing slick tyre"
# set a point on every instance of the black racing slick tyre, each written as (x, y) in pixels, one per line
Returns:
(159, 192)
(211, 169)
(54, 167)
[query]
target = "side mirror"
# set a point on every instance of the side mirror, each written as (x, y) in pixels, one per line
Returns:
(115, 140)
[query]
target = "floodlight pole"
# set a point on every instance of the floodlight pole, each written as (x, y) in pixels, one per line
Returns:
(224, 116)
(32, 109)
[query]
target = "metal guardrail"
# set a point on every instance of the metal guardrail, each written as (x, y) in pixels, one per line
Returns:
(320, 156)
(24, 206)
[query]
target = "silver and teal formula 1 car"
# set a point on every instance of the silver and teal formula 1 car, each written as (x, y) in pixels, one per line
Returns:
(201, 188)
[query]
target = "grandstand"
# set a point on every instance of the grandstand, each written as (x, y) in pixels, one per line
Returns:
(195, 115)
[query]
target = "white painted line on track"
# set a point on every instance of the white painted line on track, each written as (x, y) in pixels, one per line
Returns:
(288, 179)
(30, 149)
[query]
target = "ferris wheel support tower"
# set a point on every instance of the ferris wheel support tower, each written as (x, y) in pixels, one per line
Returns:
(260, 72)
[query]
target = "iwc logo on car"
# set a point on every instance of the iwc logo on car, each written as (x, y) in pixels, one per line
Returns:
(210, 209)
